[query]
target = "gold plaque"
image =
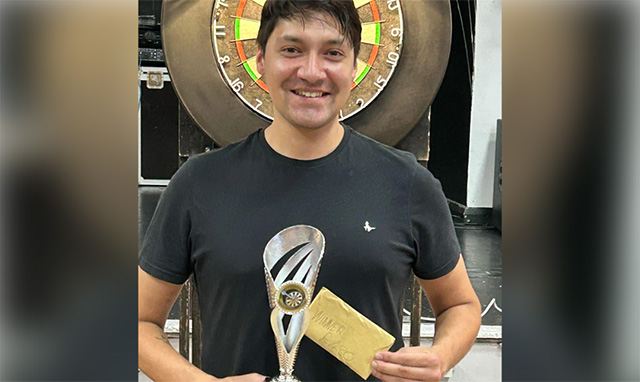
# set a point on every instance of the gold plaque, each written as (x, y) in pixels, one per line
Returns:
(345, 333)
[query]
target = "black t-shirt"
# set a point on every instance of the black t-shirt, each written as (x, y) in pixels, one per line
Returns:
(221, 208)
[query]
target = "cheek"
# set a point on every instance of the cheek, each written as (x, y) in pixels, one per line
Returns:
(343, 79)
(281, 72)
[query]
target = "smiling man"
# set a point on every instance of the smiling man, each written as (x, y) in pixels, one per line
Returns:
(383, 215)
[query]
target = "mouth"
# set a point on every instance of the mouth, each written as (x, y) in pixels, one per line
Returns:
(309, 94)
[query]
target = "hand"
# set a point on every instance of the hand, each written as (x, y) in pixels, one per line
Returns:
(253, 377)
(413, 363)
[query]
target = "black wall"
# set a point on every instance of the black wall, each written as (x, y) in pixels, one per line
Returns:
(159, 132)
(451, 109)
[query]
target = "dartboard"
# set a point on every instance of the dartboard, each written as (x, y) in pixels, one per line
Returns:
(235, 31)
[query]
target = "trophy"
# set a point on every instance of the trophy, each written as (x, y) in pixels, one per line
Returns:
(291, 289)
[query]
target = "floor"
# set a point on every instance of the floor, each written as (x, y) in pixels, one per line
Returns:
(481, 248)
(482, 254)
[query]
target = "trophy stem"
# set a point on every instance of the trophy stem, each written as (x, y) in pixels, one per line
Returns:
(295, 332)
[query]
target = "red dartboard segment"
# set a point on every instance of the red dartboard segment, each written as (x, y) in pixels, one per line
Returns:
(239, 46)
(374, 50)
(240, 9)
(374, 9)
(262, 85)
(376, 18)
(240, 50)
(374, 54)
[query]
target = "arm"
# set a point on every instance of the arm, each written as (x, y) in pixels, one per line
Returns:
(457, 312)
(156, 357)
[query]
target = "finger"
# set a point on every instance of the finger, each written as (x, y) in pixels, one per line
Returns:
(254, 377)
(392, 378)
(401, 371)
(412, 349)
(259, 377)
(410, 358)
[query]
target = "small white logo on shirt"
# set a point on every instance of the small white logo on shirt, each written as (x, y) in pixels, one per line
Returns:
(367, 227)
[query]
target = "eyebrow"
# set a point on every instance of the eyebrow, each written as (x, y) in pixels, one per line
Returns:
(291, 38)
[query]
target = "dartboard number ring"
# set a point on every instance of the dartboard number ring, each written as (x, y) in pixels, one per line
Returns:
(234, 32)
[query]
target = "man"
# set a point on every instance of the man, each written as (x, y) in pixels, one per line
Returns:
(384, 217)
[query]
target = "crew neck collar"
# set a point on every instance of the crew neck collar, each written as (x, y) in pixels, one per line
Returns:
(305, 163)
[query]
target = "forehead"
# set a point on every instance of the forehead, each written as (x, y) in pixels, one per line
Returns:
(316, 26)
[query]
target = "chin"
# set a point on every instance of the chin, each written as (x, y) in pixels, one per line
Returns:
(312, 124)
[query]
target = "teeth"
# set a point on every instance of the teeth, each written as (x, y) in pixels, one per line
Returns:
(309, 94)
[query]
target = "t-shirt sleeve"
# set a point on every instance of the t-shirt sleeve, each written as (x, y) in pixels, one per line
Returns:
(166, 250)
(435, 242)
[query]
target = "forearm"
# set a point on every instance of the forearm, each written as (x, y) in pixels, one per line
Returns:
(160, 361)
(455, 332)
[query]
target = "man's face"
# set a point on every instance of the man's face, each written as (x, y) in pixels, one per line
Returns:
(309, 71)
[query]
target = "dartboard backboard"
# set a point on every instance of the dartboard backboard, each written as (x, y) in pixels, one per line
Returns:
(210, 48)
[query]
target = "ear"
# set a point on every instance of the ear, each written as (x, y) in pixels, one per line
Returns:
(260, 61)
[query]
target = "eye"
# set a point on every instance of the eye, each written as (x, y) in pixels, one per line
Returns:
(290, 50)
(335, 55)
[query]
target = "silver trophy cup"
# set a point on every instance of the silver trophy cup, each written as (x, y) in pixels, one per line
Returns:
(291, 290)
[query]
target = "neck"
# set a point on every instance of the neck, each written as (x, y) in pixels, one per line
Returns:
(304, 144)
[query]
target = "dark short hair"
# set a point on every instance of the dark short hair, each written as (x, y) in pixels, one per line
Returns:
(342, 11)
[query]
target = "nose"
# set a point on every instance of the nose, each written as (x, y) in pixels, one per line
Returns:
(312, 69)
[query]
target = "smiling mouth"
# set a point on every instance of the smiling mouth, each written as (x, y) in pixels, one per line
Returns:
(309, 94)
